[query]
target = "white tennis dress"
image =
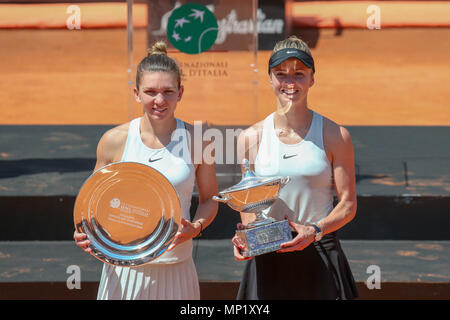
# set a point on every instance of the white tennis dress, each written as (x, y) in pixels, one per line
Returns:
(308, 197)
(320, 271)
(173, 275)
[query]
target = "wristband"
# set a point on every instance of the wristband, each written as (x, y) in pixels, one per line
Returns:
(318, 232)
(201, 230)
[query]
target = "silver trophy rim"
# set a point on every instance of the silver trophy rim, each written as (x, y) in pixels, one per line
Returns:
(143, 250)
(248, 185)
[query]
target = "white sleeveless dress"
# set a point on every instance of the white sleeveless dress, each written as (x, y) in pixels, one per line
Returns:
(173, 275)
(308, 197)
(321, 270)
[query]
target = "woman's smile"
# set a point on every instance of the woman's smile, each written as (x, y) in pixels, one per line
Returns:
(289, 91)
(158, 110)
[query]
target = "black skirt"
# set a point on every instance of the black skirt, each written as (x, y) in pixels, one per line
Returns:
(320, 271)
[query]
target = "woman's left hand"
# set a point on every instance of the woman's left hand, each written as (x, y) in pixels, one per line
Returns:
(305, 236)
(188, 231)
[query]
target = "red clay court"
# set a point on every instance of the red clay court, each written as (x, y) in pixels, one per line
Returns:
(397, 75)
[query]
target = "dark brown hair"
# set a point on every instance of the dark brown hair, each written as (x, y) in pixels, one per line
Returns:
(157, 60)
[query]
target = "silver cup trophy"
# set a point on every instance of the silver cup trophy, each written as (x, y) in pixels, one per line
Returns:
(254, 194)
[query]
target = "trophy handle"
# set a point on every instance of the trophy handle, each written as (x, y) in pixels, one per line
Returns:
(220, 199)
(284, 181)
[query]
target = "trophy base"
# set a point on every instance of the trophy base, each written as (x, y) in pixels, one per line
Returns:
(265, 238)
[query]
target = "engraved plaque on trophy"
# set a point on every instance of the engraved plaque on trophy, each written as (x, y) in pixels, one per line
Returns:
(253, 195)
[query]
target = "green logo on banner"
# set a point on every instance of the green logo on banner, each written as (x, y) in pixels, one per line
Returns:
(192, 28)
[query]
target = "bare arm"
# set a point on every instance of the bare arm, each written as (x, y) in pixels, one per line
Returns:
(207, 188)
(339, 148)
(109, 150)
(205, 176)
(111, 146)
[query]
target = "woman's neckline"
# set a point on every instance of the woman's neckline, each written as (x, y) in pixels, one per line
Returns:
(297, 143)
(155, 149)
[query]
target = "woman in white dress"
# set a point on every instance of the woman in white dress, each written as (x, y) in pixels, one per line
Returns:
(150, 140)
(317, 155)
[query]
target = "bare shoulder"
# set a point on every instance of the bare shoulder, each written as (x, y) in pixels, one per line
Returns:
(335, 136)
(112, 144)
(252, 132)
(248, 142)
(116, 135)
(197, 127)
(196, 133)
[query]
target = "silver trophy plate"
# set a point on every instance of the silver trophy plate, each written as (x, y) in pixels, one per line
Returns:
(130, 213)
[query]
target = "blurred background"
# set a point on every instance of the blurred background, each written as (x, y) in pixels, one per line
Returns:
(382, 71)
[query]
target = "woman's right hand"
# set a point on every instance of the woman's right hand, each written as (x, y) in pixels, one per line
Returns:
(81, 241)
(238, 245)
